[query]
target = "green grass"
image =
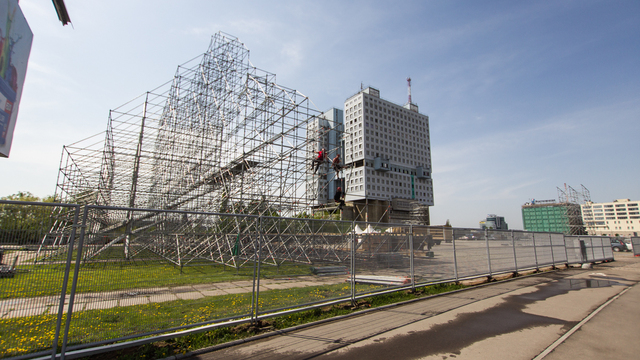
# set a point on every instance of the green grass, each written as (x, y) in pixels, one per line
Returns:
(42, 280)
(30, 334)
(193, 342)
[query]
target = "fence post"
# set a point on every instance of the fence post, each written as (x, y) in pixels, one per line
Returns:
(486, 241)
(515, 256)
(65, 280)
(455, 257)
(535, 252)
(256, 274)
(74, 284)
(553, 258)
(411, 257)
(353, 262)
(566, 252)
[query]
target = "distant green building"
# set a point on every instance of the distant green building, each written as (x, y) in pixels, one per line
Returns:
(550, 216)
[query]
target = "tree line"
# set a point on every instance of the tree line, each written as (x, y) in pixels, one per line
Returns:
(24, 224)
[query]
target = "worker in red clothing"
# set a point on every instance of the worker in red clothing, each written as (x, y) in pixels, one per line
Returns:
(322, 155)
(339, 197)
(335, 164)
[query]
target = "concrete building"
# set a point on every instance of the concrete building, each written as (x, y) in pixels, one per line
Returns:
(325, 132)
(494, 222)
(617, 218)
(552, 216)
(388, 154)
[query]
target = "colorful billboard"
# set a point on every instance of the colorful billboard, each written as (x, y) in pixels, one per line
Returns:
(15, 46)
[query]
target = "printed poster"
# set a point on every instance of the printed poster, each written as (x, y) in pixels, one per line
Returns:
(15, 45)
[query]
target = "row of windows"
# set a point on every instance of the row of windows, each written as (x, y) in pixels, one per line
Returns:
(619, 217)
(610, 206)
(611, 210)
(395, 190)
(545, 221)
(403, 175)
(398, 156)
(620, 222)
(534, 215)
(397, 143)
(398, 185)
(386, 196)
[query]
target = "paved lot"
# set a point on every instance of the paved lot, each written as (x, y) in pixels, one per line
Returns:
(575, 313)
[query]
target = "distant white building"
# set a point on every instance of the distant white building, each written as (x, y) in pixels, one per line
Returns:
(617, 218)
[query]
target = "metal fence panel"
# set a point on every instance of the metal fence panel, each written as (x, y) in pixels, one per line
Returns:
(582, 248)
(606, 249)
(596, 246)
(311, 259)
(433, 254)
(382, 257)
(33, 274)
(472, 258)
(559, 250)
(543, 248)
(635, 242)
(146, 271)
(588, 243)
(576, 250)
(525, 250)
(501, 251)
(601, 248)
(140, 272)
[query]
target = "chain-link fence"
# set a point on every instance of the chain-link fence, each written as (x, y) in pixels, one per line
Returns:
(75, 279)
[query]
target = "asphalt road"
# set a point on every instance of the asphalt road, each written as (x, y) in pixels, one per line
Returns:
(573, 313)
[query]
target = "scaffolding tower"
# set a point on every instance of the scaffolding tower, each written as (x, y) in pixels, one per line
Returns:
(572, 200)
(222, 136)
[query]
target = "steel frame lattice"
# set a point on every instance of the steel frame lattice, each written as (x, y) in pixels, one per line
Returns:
(222, 137)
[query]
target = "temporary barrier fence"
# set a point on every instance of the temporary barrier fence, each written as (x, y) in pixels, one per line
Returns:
(132, 276)
(635, 243)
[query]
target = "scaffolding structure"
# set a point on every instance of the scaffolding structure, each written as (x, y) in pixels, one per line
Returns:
(222, 136)
(571, 199)
(210, 166)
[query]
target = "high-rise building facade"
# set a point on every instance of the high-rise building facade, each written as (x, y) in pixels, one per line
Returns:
(388, 157)
(617, 218)
(324, 132)
(386, 154)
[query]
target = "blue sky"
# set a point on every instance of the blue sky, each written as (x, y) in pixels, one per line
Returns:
(523, 96)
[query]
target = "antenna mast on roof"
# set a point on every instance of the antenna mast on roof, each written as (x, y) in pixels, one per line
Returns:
(409, 84)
